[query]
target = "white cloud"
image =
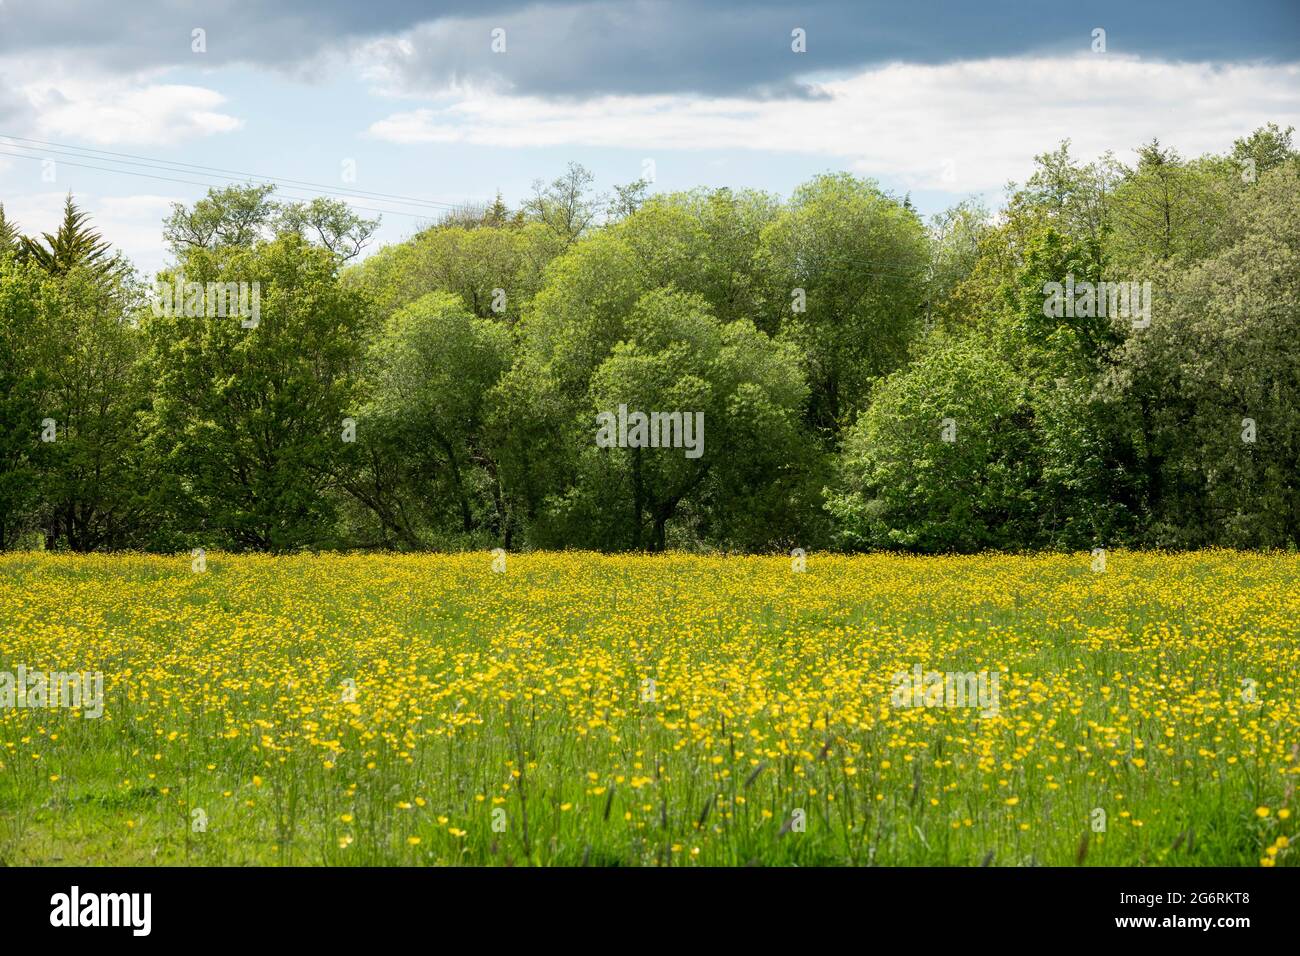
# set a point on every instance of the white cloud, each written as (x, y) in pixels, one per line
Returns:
(86, 108)
(123, 112)
(957, 127)
(67, 99)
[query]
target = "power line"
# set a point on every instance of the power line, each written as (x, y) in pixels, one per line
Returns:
(342, 193)
(194, 182)
(218, 172)
(168, 165)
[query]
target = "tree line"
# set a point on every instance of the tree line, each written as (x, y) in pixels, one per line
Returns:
(866, 379)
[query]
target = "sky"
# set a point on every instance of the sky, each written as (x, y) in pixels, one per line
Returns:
(438, 104)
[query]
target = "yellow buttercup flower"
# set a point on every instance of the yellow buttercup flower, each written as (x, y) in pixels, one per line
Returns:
(792, 715)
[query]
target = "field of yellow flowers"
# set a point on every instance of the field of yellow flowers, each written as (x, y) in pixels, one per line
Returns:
(667, 710)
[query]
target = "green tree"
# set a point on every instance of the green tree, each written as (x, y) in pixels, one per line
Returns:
(93, 391)
(627, 200)
(1222, 349)
(566, 206)
(330, 223)
(10, 238)
(1166, 208)
(1266, 148)
(236, 215)
(956, 236)
(248, 413)
(737, 395)
(425, 467)
(74, 245)
(23, 291)
(942, 459)
(847, 266)
(707, 242)
(1074, 198)
(494, 269)
(702, 243)
(1087, 494)
(240, 215)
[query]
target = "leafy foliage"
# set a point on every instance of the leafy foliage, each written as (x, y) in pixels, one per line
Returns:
(864, 381)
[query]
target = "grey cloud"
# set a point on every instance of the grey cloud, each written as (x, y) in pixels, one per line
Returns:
(582, 48)
(13, 108)
(153, 33)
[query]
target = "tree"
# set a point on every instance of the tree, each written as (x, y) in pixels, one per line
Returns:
(566, 206)
(847, 267)
(627, 200)
(577, 316)
(23, 289)
(956, 236)
(473, 214)
(247, 420)
(74, 245)
(941, 460)
(1206, 401)
(331, 223)
(425, 467)
(70, 390)
(91, 392)
(1083, 487)
(1166, 208)
(235, 215)
(704, 243)
(727, 400)
(494, 270)
(1265, 149)
(1074, 198)
(10, 238)
(241, 215)
(707, 242)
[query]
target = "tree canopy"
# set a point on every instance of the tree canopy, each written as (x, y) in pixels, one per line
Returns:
(1110, 358)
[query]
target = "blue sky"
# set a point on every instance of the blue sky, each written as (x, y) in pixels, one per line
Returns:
(941, 101)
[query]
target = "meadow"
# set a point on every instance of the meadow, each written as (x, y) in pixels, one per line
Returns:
(579, 709)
